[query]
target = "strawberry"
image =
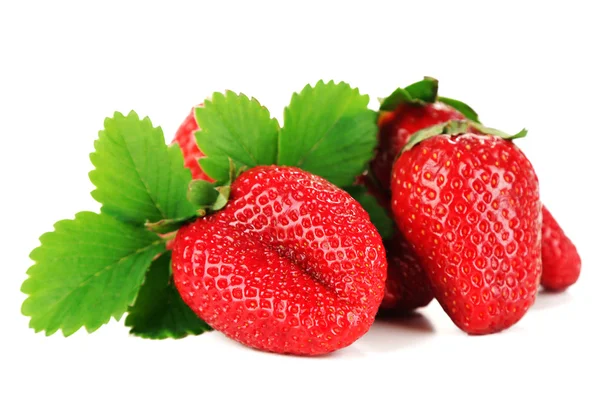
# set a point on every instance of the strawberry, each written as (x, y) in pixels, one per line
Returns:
(560, 260)
(469, 204)
(187, 141)
(395, 128)
(407, 286)
(292, 264)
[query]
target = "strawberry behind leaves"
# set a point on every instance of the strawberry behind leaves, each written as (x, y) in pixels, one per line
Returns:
(470, 206)
(185, 137)
(407, 286)
(291, 265)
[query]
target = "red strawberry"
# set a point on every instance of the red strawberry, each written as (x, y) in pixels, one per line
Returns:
(395, 128)
(407, 286)
(560, 260)
(561, 263)
(470, 207)
(187, 141)
(292, 264)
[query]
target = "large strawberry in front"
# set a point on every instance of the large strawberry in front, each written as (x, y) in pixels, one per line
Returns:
(292, 264)
(470, 206)
(407, 286)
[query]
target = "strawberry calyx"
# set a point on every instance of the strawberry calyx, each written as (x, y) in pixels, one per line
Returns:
(166, 226)
(424, 91)
(454, 128)
(208, 197)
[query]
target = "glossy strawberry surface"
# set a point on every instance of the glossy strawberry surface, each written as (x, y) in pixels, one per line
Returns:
(187, 141)
(470, 206)
(292, 264)
(395, 128)
(560, 260)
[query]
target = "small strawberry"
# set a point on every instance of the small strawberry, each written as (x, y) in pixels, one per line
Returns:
(292, 264)
(185, 137)
(407, 286)
(469, 204)
(560, 260)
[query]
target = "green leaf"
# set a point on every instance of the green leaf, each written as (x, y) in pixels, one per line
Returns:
(425, 90)
(237, 128)
(159, 312)
(138, 178)
(454, 128)
(462, 107)
(378, 215)
(87, 270)
(328, 131)
(398, 97)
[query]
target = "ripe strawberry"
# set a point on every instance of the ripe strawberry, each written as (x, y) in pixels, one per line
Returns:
(187, 141)
(470, 206)
(292, 264)
(407, 286)
(395, 128)
(560, 261)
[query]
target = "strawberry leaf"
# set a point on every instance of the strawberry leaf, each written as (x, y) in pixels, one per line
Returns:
(466, 110)
(328, 131)
(398, 97)
(86, 271)
(138, 178)
(425, 90)
(378, 215)
(159, 312)
(237, 128)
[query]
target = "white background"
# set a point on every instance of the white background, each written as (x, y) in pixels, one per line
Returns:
(64, 67)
